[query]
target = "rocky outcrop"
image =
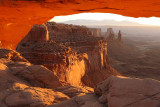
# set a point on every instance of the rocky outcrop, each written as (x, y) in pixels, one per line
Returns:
(23, 84)
(72, 53)
(11, 55)
(109, 34)
(119, 36)
(95, 32)
(38, 33)
(118, 92)
(59, 32)
(87, 100)
(129, 92)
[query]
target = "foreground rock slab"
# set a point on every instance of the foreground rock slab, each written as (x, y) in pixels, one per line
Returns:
(129, 92)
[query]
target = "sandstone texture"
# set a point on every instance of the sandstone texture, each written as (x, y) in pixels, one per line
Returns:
(118, 92)
(0, 44)
(18, 16)
(129, 92)
(72, 53)
(25, 85)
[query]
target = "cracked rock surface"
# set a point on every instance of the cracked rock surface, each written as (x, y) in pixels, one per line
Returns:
(129, 92)
(25, 85)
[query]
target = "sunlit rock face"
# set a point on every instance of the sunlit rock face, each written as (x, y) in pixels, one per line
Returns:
(18, 16)
(118, 92)
(72, 53)
(24, 84)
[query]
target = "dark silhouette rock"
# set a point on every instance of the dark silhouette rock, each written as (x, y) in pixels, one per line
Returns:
(119, 36)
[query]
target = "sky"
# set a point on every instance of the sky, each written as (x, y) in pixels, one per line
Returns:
(152, 21)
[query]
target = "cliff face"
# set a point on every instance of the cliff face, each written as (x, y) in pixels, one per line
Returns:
(72, 53)
(95, 32)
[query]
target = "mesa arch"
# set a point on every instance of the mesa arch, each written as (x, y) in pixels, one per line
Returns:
(18, 16)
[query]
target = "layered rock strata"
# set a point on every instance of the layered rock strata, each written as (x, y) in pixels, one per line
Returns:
(72, 53)
(118, 92)
(21, 86)
(25, 85)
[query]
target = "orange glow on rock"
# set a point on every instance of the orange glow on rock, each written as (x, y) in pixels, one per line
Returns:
(18, 16)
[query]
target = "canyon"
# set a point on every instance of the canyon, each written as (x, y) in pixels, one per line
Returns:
(71, 68)
(23, 84)
(68, 65)
(72, 52)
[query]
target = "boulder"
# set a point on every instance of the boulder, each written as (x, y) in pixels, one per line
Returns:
(87, 100)
(129, 92)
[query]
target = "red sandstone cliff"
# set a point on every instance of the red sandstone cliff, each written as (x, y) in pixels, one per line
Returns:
(72, 53)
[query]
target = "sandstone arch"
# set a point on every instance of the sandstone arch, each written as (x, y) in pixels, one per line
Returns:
(18, 16)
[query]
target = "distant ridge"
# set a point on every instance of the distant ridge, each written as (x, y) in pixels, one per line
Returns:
(102, 22)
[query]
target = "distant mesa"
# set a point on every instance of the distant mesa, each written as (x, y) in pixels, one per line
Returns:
(95, 32)
(110, 35)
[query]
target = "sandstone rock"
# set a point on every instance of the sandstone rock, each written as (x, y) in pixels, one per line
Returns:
(37, 75)
(11, 55)
(40, 11)
(129, 92)
(38, 33)
(87, 100)
(119, 36)
(110, 34)
(72, 91)
(96, 32)
(71, 53)
(23, 95)
(0, 44)
(18, 78)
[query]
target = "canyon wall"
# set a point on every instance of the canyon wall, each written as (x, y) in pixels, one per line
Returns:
(72, 53)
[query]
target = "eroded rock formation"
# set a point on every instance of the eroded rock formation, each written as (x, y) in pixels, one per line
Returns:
(18, 16)
(129, 92)
(118, 92)
(110, 34)
(119, 36)
(72, 53)
(95, 32)
(38, 33)
(23, 84)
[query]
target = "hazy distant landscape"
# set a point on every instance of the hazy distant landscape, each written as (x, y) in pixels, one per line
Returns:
(138, 56)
